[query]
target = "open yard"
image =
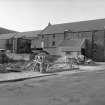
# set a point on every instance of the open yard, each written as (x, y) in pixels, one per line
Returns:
(85, 88)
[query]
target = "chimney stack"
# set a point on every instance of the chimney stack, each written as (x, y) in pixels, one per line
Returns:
(49, 24)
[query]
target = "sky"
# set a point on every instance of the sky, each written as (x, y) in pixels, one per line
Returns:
(31, 15)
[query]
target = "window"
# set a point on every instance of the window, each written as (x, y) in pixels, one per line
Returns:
(54, 36)
(53, 43)
(42, 36)
(68, 52)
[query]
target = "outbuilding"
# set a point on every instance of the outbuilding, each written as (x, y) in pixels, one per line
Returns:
(73, 47)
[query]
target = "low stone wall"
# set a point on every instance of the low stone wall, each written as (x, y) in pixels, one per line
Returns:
(14, 56)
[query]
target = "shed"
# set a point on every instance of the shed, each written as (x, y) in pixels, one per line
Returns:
(6, 40)
(72, 47)
(25, 41)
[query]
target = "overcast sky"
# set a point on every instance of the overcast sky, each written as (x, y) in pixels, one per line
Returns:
(28, 15)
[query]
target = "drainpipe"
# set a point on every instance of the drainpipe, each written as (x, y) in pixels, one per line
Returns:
(104, 43)
(92, 48)
(14, 45)
(42, 41)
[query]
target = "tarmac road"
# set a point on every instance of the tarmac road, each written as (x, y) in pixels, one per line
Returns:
(84, 88)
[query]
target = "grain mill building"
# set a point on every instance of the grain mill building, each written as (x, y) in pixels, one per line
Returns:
(86, 37)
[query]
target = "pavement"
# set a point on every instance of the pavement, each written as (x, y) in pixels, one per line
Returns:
(12, 77)
(19, 76)
(92, 68)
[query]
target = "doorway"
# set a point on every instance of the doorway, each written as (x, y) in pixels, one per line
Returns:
(83, 51)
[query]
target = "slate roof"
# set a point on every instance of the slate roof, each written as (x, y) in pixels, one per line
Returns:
(7, 36)
(73, 44)
(6, 31)
(97, 24)
(28, 34)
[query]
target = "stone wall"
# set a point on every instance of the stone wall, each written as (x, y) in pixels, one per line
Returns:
(3, 43)
(98, 46)
(83, 35)
(49, 39)
(94, 43)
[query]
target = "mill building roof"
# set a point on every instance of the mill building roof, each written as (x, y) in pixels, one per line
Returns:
(98, 24)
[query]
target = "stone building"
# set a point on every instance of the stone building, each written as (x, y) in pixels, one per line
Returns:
(91, 31)
(24, 42)
(6, 41)
(6, 38)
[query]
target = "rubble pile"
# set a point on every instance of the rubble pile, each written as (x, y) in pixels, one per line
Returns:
(51, 63)
(12, 67)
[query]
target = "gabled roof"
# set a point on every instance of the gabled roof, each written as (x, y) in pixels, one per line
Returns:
(72, 45)
(7, 36)
(28, 34)
(6, 31)
(97, 24)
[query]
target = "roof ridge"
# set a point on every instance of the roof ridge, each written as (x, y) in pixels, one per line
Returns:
(31, 31)
(78, 21)
(87, 25)
(44, 29)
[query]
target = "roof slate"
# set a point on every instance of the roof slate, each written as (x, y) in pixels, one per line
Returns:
(6, 31)
(73, 44)
(97, 24)
(28, 34)
(7, 36)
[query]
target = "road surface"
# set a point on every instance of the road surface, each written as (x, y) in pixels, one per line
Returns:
(85, 88)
